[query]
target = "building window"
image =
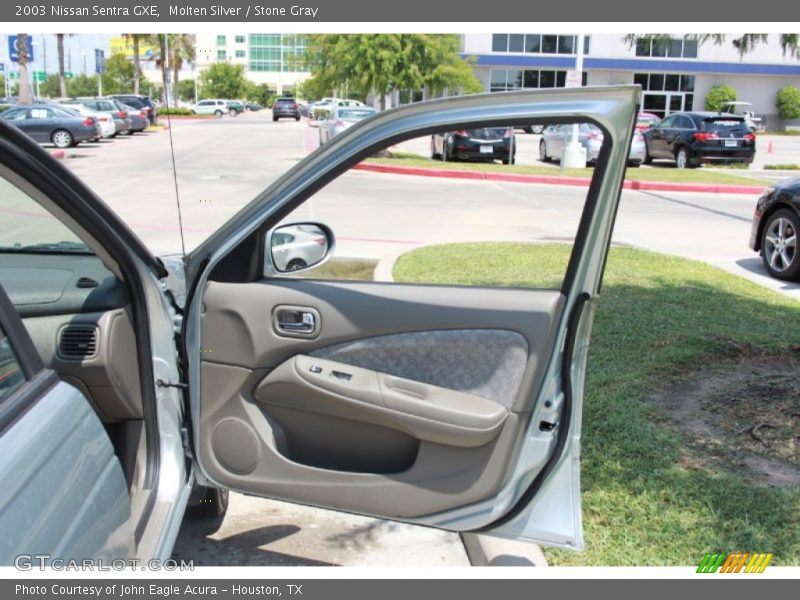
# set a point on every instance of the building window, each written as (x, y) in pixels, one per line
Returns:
(666, 48)
(222, 55)
(240, 54)
(537, 43)
(221, 40)
(665, 93)
(276, 52)
(240, 39)
(503, 80)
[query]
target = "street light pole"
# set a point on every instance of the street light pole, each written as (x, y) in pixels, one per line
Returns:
(574, 155)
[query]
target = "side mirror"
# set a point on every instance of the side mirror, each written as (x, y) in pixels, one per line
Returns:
(297, 247)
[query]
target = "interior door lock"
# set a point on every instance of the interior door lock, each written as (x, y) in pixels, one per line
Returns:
(296, 321)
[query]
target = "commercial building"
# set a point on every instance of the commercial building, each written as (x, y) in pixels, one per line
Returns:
(276, 59)
(675, 74)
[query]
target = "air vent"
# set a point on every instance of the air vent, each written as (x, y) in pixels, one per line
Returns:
(78, 342)
(86, 282)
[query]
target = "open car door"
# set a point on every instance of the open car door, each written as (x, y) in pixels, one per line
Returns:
(447, 406)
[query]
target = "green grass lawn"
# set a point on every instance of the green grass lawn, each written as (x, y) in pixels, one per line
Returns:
(407, 159)
(650, 496)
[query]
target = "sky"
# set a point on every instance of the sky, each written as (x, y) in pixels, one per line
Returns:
(75, 46)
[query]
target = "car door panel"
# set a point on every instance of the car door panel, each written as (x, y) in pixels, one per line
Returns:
(412, 427)
(62, 489)
(434, 393)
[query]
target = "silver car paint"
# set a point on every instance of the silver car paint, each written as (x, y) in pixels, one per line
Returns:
(612, 107)
(62, 490)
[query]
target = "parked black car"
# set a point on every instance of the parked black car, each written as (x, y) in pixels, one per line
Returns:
(487, 143)
(285, 107)
(51, 124)
(140, 102)
(776, 222)
(692, 138)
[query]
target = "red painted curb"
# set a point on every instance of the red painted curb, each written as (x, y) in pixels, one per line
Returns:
(559, 179)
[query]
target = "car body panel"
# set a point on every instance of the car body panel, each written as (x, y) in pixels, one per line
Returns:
(590, 137)
(211, 107)
(488, 143)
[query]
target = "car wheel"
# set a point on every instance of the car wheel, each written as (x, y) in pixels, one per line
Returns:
(212, 504)
(234, 112)
(509, 161)
(218, 113)
(297, 118)
(295, 264)
(274, 119)
(130, 132)
(62, 138)
(682, 159)
(538, 128)
(543, 152)
(779, 245)
(635, 164)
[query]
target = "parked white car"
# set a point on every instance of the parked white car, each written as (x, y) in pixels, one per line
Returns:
(296, 247)
(105, 124)
(211, 107)
(341, 118)
(324, 108)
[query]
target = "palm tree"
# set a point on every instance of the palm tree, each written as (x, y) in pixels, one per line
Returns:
(62, 80)
(136, 39)
(181, 50)
(25, 94)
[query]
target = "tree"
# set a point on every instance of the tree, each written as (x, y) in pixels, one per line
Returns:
(186, 90)
(82, 85)
(361, 64)
(51, 87)
(788, 103)
(181, 49)
(25, 93)
(223, 80)
(118, 77)
(718, 96)
(136, 39)
(62, 80)
(744, 44)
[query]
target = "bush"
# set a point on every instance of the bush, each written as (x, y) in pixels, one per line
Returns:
(788, 103)
(174, 110)
(718, 96)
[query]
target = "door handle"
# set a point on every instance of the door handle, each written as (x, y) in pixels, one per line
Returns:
(296, 321)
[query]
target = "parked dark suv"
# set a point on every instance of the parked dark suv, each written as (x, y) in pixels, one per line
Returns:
(285, 107)
(139, 101)
(692, 138)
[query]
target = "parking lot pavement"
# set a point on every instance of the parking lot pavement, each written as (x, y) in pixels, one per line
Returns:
(269, 533)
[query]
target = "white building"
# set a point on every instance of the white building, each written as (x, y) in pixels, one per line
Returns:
(674, 75)
(276, 59)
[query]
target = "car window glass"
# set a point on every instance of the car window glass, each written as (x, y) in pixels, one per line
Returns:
(16, 115)
(40, 113)
(723, 124)
(407, 224)
(27, 227)
(667, 123)
(11, 375)
(684, 123)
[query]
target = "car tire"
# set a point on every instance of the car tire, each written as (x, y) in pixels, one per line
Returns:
(537, 128)
(218, 113)
(781, 260)
(295, 265)
(233, 112)
(297, 118)
(682, 160)
(543, 151)
(212, 504)
(62, 138)
(528, 129)
(509, 161)
(130, 132)
(635, 164)
(274, 119)
(648, 160)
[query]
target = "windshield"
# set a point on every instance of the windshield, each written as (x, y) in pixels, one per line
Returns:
(723, 125)
(355, 114)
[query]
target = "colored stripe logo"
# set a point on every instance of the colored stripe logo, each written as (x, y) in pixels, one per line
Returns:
(735, 562)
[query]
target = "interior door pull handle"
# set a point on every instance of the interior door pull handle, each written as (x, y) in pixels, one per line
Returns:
(297, 321)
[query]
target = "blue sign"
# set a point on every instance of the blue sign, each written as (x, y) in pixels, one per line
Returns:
(13, 48)
(99, 61)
